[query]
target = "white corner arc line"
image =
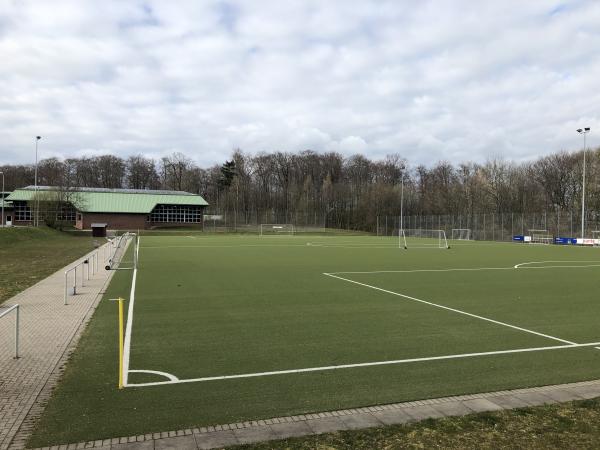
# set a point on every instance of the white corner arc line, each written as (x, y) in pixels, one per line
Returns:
(129, 326)
(366, 364)
(408, 297)
(167, 375)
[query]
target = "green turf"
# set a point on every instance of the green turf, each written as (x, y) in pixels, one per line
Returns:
(225, 305)
(28, 255)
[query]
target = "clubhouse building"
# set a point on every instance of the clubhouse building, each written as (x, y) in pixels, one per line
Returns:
(114, 209)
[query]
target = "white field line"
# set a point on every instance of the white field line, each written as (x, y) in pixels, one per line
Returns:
(174, 380)
(223, 246)
(476, 269)
(156, 372)
(517, 266)
(129, 326)
(447, 308)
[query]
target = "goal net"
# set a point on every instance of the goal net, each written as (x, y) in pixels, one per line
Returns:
(418, 238)
(276, 229)
(461, 234)
(121, 257)
(540, 237)
(596, 238)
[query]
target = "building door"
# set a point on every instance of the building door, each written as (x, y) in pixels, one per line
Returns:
(9, 221)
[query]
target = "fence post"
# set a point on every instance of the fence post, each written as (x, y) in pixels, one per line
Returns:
(484, 227)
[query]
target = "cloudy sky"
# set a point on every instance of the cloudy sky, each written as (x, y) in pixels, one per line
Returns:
(431, 80)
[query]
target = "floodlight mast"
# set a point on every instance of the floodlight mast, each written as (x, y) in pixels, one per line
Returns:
(37, 202)
(402, 198)
(583, 131)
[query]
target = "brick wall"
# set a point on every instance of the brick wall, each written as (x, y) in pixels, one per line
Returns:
(125, 221)
(114, 221)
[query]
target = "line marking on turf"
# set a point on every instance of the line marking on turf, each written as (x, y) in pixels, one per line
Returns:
(156, 372)
(174, 380)
(518, 266)
(159, 247)
(408, 297)
(367, 364)
(475, 269)
(129, 325)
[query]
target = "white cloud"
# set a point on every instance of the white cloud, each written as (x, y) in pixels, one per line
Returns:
(430, 80)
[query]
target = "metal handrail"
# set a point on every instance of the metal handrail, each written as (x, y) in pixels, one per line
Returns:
(4, 313)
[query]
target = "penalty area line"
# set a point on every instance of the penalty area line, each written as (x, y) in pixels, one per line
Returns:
(357, 365)
(447, 308)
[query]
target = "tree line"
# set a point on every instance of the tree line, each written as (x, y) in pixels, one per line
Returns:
(334, 190)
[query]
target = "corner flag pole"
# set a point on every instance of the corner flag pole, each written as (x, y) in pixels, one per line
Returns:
(120, 301)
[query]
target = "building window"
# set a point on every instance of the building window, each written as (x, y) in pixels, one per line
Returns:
(22, 211)
(176, 214)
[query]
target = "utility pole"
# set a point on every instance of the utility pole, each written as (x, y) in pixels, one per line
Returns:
(37, 201)
(583, 131)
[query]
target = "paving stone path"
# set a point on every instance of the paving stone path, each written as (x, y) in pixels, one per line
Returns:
(49, 331)
(310, 424)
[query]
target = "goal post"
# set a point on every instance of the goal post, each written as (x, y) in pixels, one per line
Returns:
(119, 257)
(540, 237)
(419, 238)
(461, 234)
(596, 238)
(277, 229)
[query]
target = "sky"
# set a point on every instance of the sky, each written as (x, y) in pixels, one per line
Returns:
(430, 80)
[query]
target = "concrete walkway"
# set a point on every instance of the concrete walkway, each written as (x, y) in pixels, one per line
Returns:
(49, 331)
(376, 416)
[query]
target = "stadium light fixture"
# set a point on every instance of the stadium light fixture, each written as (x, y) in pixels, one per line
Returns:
(37, 202)
(583, 131)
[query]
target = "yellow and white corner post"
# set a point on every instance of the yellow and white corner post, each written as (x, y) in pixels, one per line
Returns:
(120, 301)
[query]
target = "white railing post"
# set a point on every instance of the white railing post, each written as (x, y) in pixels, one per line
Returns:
(17, 334)
(66, 285)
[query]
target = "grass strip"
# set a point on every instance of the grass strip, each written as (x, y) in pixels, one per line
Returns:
(28, 255)
(567, 425)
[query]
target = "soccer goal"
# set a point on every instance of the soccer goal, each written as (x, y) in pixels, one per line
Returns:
(276, 229)
(596, 238)
(119, 258)
(418, 238)
(461, 234)
(540, 237)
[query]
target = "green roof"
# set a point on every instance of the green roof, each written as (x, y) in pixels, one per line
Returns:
(135, 201)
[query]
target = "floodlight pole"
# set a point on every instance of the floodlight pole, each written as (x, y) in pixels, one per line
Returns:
(402, 199)
(583, 131)
(37, 202)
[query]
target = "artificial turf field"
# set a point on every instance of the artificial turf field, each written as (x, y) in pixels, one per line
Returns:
(211, 306)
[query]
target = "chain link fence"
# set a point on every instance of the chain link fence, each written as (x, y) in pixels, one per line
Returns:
(493, 227)
(485, 226)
